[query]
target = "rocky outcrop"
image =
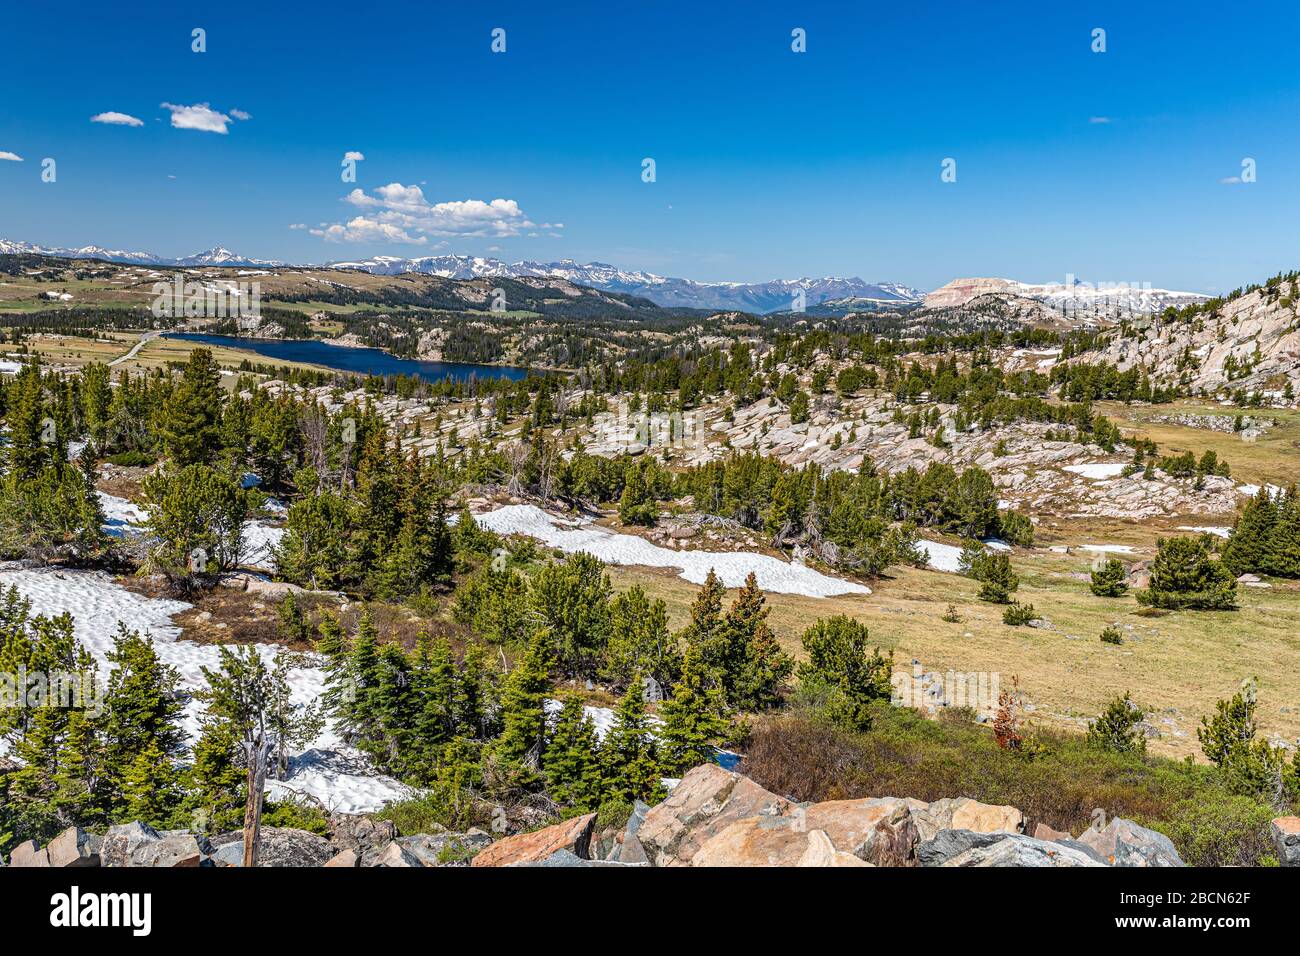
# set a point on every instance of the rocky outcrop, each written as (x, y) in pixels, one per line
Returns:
(74, 847)
(1123, 843)
(1015, 849)
(706, 802)
(572, 835)
(29, 853)
(280, 847)
(1285, 832)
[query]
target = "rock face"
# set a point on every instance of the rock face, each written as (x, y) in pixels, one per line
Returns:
(706, 802)
(880, 831)
(1285, 832)
(1014, 849)
(29, 853)
(963, 813)
(281, 847)
(74, 847)
(1124, 843)
(572, 835)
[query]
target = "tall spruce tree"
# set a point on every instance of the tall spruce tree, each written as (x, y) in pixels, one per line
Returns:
(572, 758)
(630, 753)
(694, 718)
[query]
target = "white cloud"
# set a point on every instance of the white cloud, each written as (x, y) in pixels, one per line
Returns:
(116, 119)
(353, 155)
(398, 213)
(241, 115)
(361, 229)
(199, 117)
(297, 225)
(1229, 180)
(11, 157)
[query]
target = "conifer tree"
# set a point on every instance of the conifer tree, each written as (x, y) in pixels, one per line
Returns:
(1283, 548)
(754, 666)
(141, 711)
(1110, 580)
(630, 753)
(190, 426)
(705, 623)
(1117, 729)
(1183, 575)
(841, 674)
(694, 718)
(1250, 545)
(572, 599)
(639, 640)
(216, 780)
(150, 788)
(520, 747)
(572, 760)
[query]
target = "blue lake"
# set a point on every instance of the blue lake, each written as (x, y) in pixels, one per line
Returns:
(359, 361)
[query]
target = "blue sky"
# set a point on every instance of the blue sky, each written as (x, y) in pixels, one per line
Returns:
(768, 163)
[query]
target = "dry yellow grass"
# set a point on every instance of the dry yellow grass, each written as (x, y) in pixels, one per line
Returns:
(1176, 665)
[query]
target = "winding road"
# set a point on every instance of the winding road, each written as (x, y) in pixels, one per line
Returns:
(135, 349)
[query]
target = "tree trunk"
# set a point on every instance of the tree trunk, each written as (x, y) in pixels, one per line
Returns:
(253, 806)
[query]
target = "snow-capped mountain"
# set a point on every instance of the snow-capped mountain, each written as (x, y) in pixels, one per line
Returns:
(776, 295)
(1073, 296)
(212, 257)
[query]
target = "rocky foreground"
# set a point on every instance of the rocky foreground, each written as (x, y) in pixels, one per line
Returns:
(712, 818)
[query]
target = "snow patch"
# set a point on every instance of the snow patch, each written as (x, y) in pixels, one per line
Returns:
(732, 567)
(1100, 469)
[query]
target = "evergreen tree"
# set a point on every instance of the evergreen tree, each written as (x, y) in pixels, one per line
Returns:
(572, 761)
(753, 664)
(639, 640)
(1184, 576)
(572, 600)
(694, 718)
(840, 673)
(150, 788)
(190, 426)
(142, 711)
(1110, 580)
(1283, 548)
(1118, 728)
(1250, 545)
(630, 754)
(522, 742)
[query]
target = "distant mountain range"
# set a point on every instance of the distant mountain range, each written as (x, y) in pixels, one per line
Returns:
(825, 296)
(777, 295)
(1075, 296)
(212, 257)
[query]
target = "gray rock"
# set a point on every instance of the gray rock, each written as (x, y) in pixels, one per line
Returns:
(1124, 843)
(438, 849)
(1285, 832)
(565, 859)
(1015, 849)
(348, 832)
(947, 844)
(29, 853)
(394, 855)
(229, 854)
(74, 847)
(629, 850)
(282, 847)
(122, 843)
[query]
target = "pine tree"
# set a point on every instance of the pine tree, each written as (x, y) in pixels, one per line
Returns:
(572, 600)
(572, 760)
(1183, 575)
(706, 621)
(523, 714)
(150, 788)
(753, 666)
(841, 674)
(215, 779)
(142, 711)
(639, 640)
(1283, 547)
(190, 426)
(694, 718)
(1110, 580)
(629, 753)
(997, 579)
(1117, 729)
(1249, 546)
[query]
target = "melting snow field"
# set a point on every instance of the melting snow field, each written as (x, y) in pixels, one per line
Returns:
(1220, 532)
(732, 567)
(1098, 470)
(97, 603)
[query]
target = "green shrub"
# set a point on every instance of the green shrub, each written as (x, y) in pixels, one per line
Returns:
(1112, 635)
(132, 459)
(1018, 614)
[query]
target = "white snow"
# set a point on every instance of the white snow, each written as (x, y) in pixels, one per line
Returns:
(258, 542)
(1103, 548)
(326, 768)
(1099, 469)
(122, 517)
(943, 557)
(1214, 530)
(9, 368)
(732, 567)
